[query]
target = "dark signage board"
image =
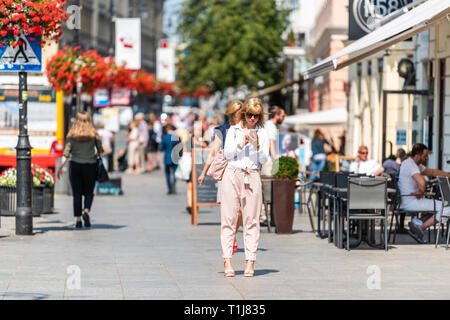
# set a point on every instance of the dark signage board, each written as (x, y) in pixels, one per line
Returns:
(365, 14)
(204, 195)
(206, 192)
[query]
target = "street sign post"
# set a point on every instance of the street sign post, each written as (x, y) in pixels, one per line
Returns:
(25, 56)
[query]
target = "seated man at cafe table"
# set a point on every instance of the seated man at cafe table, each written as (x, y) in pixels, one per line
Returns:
(362, 165)
(412, 185)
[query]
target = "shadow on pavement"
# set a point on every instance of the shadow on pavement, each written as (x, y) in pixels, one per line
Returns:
(72, 228)
(209, 224)
(24, 295)
(259, 272)
(243, 250)
(302, 231)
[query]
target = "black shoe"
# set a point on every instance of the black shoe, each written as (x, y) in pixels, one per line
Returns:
(87, 221)
(188, 209)
(416, 231)
(78, 225)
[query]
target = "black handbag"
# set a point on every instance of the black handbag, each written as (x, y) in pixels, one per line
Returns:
(102, 174)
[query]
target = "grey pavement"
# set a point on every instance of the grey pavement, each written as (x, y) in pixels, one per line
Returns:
(142, 246)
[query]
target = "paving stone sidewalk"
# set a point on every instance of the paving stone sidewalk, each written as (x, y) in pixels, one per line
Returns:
(143, 246)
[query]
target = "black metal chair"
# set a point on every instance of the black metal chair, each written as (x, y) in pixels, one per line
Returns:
(397, 212)
(267, 201)
(330, 200)
(367, 200)
(321, 186)
(444, 186)
(306, 187)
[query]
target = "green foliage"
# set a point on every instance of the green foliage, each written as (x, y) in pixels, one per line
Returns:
(285, 168)
(231, 43)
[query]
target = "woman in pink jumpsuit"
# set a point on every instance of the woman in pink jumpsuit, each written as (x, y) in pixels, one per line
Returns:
(246, 149)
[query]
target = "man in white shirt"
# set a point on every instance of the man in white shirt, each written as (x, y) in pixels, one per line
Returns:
(362, 165)
(412, 185)
(276, 118)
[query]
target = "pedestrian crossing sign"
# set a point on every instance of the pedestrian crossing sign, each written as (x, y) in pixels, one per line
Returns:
(26, 56)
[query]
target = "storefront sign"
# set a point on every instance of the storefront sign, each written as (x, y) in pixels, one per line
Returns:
(401, 138)
(120, 97)
(101, 98)
(365, 14)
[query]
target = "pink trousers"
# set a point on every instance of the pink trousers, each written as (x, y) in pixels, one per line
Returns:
(240, 189)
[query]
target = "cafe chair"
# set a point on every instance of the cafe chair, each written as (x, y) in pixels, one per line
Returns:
(266, 186)
(444, 186)
(367, 200)
(397, 211)
(322, 187)
(340, 194)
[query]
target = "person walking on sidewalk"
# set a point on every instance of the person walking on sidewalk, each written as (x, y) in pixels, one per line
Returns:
(143, 141)
(246, 149)
(83, 147)
(133, 148)
(220, 133)
(169, 141)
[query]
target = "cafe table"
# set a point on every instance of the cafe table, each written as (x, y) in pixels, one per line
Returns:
(366, 228)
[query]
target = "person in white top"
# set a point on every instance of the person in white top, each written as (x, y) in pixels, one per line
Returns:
(412, 185)
(107, 138)
(362, 165)
(246, 149)
(276, 118)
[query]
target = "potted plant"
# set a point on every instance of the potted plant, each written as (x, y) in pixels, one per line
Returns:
(285, 172)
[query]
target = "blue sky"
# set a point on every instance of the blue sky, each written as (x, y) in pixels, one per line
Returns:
(170, 17)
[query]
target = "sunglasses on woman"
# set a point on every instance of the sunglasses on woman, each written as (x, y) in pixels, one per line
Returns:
(251, 115)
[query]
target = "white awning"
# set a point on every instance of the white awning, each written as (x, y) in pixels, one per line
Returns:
(332, 117)
(405, 26)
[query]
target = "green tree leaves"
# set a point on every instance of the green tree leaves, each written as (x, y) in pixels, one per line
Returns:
(231, 43)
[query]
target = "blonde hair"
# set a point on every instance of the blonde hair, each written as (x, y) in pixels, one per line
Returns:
(361, 148)
(233, 107)
(253, 105)
(82, 129)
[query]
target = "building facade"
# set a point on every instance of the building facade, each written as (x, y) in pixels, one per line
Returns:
(421, 115)
(97, 26)
(368, 79)
(435, 76)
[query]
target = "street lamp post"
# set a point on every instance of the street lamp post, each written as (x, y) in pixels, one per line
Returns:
(74, 103)
(24, 215)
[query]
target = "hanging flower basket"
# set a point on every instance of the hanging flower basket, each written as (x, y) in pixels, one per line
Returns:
(70, 66)
(117, 76)
(62, 69)
(144, 82)
(35, 18)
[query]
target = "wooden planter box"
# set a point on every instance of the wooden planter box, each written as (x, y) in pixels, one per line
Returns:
(8, 201)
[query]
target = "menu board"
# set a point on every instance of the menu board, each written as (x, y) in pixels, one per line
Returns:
(206, 192)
